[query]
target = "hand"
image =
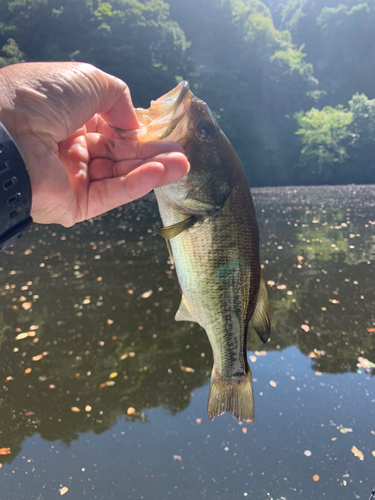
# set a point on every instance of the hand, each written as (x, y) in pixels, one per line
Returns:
(59, 116)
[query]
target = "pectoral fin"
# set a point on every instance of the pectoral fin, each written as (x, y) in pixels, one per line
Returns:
(183, 313)
(261, 319)
(178, 228)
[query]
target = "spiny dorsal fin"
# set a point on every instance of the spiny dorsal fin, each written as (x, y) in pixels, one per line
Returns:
(176, 229)
(233, 397)
(261, 319)
(184, 313)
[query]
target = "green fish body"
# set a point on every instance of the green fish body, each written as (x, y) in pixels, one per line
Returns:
(212, 235)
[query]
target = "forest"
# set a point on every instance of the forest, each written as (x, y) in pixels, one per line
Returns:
(292, 84)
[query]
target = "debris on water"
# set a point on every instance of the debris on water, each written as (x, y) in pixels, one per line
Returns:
(357, 453)
(186, 369)
(344, 430)
(305, 328)
(244, 430)
(365, 363)
(177, 458)
(198, 420)
(75, 409)
(5, 451)
(131, 411)
(147, 294)
(307, 453)
(63, 490)
(253, 358)
(316, 478)
(273, 383)
(109, 321)
(22, 336)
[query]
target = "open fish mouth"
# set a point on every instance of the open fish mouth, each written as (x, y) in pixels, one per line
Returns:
(160, 119)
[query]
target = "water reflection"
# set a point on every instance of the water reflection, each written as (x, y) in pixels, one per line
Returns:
(87, 326)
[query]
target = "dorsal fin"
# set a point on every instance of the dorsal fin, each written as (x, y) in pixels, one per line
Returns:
(261, 318)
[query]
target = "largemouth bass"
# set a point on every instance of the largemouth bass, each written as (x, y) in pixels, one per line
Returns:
(212, 236)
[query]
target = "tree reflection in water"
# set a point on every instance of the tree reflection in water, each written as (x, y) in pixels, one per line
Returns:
(101, 343)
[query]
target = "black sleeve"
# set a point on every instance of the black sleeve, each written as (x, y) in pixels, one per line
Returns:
(15, 192)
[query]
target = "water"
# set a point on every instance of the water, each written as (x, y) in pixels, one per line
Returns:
(105, 398)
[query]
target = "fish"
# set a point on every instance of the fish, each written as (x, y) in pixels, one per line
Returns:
(210, 227)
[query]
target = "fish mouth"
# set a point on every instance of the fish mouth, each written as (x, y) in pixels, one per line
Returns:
(160, 119)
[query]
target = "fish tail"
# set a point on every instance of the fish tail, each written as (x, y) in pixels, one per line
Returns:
(235, 397)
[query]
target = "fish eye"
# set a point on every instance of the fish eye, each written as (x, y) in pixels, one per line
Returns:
(205, 131)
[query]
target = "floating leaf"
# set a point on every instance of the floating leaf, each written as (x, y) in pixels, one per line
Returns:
(253, 358)
(75, 409)
(147, 294)
(186, 369)
(273, 383)
(37, 358)
(177, 458)
(345, 430)
(113, 375)
(4, 451)
(27, 305)
(365, 363)
(244, 430)
(316, 478)
(131, 411)
(373, 453)
(22, 335)
(305, 328)
(64, 490)
(357, 453)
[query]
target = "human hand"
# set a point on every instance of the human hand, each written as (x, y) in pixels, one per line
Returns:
(59, 115)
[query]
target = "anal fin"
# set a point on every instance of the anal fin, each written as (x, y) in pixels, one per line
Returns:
(261, 319)
(184, 313)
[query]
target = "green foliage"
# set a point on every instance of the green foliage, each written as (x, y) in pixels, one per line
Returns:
(12, 53)
(324, 134)
(254, 76)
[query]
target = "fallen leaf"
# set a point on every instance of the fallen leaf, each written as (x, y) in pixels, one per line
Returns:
(305, 328)
(75, 409)
(109, 321)
(244, 430)
(316, 478)
(198, 420)
(147, 294)
(365, 363)
(373, 453)
(272, 383)
(4, 451)
(253, 358)
(357, 453)
(22, 335)
(371, 330)
(345, 430)
(37, 358)
(64, 490)
(131, 411)
(186, 369)
(27, 305)
(28, 370)
(177, 458)
(113, 375)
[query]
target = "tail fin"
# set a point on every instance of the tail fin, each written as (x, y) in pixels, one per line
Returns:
(234, 397)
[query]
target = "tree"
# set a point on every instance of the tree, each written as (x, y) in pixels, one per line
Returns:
(325, 135)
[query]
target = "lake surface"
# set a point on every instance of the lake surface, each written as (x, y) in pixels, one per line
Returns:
(103, 395)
